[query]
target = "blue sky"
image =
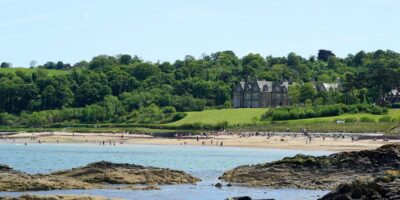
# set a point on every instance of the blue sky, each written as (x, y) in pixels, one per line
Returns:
(166, 30)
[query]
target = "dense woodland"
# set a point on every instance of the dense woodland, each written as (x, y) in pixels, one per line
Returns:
(119, 89)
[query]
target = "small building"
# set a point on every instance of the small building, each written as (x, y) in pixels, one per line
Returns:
(260, 94)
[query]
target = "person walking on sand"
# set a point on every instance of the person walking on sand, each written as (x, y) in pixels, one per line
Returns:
(221, 143)
(197, 138)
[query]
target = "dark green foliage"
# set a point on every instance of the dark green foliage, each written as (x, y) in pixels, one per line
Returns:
(5, 65)
(324, 55)
(189, 85)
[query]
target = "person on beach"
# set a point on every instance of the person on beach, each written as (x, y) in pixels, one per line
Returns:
(197, 138)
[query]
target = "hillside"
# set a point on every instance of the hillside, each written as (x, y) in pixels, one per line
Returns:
(232, 116)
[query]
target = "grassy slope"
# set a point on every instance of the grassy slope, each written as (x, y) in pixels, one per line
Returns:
(232, 116)
(51, 72)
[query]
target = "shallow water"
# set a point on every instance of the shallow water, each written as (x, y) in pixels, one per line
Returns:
(206, 163)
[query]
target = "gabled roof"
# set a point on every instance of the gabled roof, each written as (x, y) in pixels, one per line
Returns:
(331, 86)
(394, 92)
(271, 85)
(242, 84)
(261, 84)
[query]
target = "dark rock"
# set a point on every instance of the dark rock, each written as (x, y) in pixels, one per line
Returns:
(367, 190)
(321, 172)
(240, 198)
(218, 185)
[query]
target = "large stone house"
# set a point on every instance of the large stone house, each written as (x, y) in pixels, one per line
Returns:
(257, 94)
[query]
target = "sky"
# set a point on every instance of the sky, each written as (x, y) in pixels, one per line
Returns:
(166, 30)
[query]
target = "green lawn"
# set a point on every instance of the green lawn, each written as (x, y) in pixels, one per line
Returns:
(394, 113)
(232, 116)
(51, 72)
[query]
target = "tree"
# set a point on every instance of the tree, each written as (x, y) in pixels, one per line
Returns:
(125, 59)
(307, 91)
(323, 54)
(145, 70)
(294, 94)
(5, 65)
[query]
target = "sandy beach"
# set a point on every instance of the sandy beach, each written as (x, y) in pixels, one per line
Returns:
(273, 142)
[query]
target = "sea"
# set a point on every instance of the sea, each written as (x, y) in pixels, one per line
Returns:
(205, 162)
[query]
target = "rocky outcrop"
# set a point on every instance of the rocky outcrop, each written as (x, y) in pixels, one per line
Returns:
(322, 172)
(54, 197)
(94, 176)
(113, 173)
(386, 187)
(12, 180)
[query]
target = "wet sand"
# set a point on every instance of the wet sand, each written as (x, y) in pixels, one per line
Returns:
(273, 142)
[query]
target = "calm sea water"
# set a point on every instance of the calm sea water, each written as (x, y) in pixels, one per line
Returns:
(206, 163)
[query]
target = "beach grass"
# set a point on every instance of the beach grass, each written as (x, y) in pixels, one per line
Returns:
(50, 72)
(232, 116)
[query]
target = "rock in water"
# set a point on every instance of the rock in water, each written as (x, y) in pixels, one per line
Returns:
(115, 173)
(322, 172)
(384, 187)
(240, 198)
(93, 176)
(13, 180)
(218, 185)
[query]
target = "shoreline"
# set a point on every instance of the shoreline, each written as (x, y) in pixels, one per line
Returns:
(290, 142)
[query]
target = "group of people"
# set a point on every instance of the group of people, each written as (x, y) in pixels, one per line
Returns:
(203, 142)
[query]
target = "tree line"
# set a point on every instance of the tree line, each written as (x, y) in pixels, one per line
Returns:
(119, 88)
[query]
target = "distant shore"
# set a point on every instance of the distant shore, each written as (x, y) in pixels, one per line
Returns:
(328, 142)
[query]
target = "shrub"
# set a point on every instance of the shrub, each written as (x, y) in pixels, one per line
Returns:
(367, 119)
(376, 110)
(396, 105)
(169, 110)
(321, 111)
(350, 120)
(179, 116)
(386, 119)
(222, 125)
(8, 119)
